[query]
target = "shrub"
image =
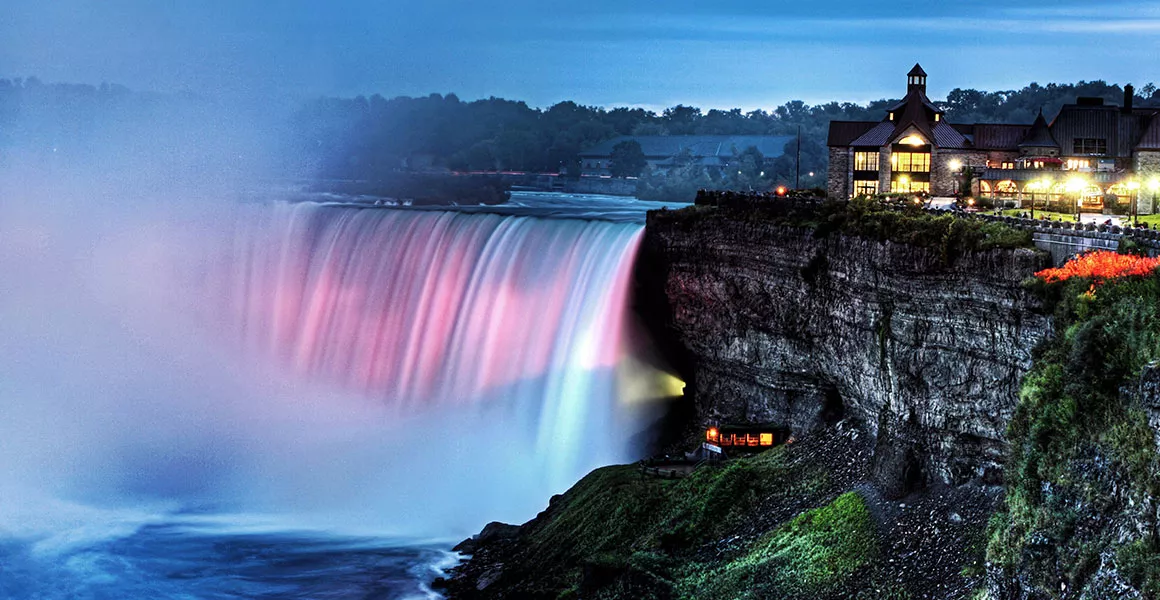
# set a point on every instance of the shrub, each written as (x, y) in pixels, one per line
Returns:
(1079, 447)
(1101, 265)
(811, 554)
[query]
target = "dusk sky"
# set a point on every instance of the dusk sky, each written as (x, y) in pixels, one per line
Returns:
(746, 53)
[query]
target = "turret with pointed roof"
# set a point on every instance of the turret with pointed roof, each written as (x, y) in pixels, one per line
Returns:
(1039, 139)
(916, 79)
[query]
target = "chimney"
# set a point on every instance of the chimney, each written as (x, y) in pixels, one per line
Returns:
(1129, 96)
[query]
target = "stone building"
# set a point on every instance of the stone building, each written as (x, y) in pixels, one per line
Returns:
(1090, 151)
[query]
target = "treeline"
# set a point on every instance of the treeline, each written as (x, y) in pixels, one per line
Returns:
(353, 138)
(363, 138)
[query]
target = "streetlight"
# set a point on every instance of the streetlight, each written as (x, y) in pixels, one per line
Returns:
(1154, 186)
(1134, 187)
(1033, 186)
(1076, 185)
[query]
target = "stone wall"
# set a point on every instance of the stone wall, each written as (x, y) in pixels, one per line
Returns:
(785, 328)
(1147, 165)
(943, 178)
(839, 176)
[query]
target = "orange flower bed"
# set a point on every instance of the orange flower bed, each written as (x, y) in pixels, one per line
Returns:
(1101, 265)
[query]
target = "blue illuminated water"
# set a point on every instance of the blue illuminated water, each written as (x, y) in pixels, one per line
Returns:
(141, 460)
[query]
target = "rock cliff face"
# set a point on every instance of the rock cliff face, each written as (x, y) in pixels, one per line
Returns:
(924, 351)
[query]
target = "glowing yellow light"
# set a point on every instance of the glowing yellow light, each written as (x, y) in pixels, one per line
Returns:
(711, 435)
(912, 140)
(956, 164)
(643, 384)
(1076, 184)
(1133, 185)
(766, 439)
(671, 385)
(970, 201)
(1154, 184)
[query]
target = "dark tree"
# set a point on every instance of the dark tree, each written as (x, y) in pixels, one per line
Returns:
(627, 159)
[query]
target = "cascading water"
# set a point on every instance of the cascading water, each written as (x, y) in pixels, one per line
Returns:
(518, 320)
(321, 386)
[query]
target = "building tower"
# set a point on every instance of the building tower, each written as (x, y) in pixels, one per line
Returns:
(916, 80)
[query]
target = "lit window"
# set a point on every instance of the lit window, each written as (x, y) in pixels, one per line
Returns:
(866, 161)
(865, 188)
(902, 187)
(912, 140)
(1078, 164)
(767, 439)
(891, 116)
(910, 162)
(936, 117)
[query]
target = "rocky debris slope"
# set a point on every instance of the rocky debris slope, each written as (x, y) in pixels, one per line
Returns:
(782, 524)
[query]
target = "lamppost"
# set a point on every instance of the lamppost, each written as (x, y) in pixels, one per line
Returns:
(1154, 186)
(1134, 187)
(1045, 185)
(1076, 185)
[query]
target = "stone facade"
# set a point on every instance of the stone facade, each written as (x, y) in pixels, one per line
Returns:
(1147, 164)
(839, 178)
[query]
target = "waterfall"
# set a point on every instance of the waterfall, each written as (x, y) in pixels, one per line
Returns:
(356, 369)
(515, 324)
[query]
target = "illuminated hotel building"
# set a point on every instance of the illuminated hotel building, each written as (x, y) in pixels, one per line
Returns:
(1088, 151)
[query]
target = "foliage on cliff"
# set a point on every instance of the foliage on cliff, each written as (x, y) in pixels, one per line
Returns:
(951, 234)
(778, 522)
(812, 553)
(1100, 266)
(1083, 468)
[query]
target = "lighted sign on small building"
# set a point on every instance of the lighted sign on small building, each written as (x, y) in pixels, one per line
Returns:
(743, 437)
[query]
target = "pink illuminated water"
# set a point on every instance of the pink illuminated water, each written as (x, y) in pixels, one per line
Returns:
(427, 310)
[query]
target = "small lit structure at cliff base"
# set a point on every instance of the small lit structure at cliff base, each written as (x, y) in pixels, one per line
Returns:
(746, 438)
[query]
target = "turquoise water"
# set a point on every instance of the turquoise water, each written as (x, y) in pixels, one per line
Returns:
(341, 372)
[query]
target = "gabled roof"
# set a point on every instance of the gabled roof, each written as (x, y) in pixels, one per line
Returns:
(1151, 138)
(946, 136)
(994, 136)
(914, 115)
(843, 133)
(1039, 136)
(878, 135)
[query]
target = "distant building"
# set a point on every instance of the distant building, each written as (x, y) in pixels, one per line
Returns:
(660, 150)
(1090, 149)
